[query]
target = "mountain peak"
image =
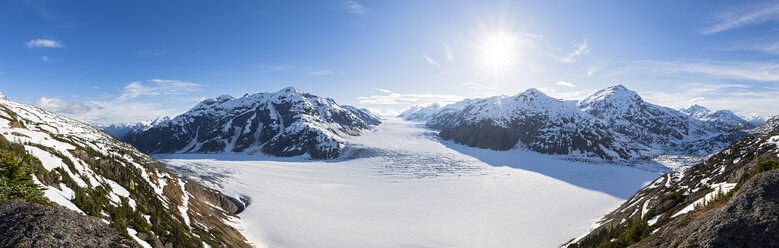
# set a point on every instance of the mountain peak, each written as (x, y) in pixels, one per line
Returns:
(224, 97)
(2, 97)
(612, 94)
(292, 89)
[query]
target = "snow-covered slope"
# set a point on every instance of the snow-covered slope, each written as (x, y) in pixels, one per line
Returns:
(121, 129)
(722, 120)
(285, 123)
(614, 123)
(767, 126)
(420, 112)
(669, 202)
(534, 121)
(658, 127)
(86, 170)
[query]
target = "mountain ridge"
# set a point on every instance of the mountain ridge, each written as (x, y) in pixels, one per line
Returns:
(290, 122)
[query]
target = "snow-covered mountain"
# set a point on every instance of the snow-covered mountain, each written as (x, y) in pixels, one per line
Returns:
(614, 123)
(86, 170)
(625, 112)
(722, 120)
(754, 120)
(290, 122)
(534, 121)
(420, 112)
(121, 129)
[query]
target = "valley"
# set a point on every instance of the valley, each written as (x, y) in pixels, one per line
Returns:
(400, 186)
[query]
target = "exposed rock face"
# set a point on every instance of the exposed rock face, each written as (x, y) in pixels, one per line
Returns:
(614, 124)
(26, 224)
(668, 204)
(285, 123)
(534, 121)
(749, 219)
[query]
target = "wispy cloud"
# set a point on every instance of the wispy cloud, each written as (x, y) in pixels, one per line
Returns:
(136, 101)
(43, 43)
(473, 85)
(448, 53)
(354, 7)
(431, 61)
(581, 49)
(566, 84)
(754, 71)
(152, 53)
(58, 105)
(156, 87)
(306, 69)
(384, 90)
(319, 72)
(398, 98)
(592, 70)
(743, 99)
(743, 16)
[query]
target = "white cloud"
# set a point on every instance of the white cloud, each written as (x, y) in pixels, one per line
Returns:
(384, 90)
(744, 16)
(47, 59)
(592, 70)
(448, 52)
(566, 84)
(581, 49)
(397, 98)
(741, 98)
(354, 7)
(473, 85)
(432, 61)
(137, 101)
(43, 43)
(322, 72)
(157, 87)
(306, 69)
(754, 71)
(62, 106)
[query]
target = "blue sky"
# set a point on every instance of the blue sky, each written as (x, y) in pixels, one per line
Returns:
(122, 61)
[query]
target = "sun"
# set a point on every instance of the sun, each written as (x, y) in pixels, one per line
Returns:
(498, 51)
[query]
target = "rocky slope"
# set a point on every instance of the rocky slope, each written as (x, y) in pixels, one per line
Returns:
(290, 122)
(614, 124)
(120, 130)
(722, 120)
(534, 121)
(728, 200)
(90, 172)
(27, 224)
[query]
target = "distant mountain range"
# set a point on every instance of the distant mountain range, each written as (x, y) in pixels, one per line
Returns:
(120, 130)
(290, 122)
(615, 123)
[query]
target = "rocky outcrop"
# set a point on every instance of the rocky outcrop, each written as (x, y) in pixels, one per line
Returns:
(749, 219)
(730, 199)
(26, 224)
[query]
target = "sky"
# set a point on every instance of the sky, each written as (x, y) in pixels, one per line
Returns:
(124, 61)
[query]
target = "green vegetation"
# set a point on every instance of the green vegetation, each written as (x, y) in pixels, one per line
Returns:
(766, 166)
(16, 174)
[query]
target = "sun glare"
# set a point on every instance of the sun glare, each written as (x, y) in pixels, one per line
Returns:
(498, 51)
